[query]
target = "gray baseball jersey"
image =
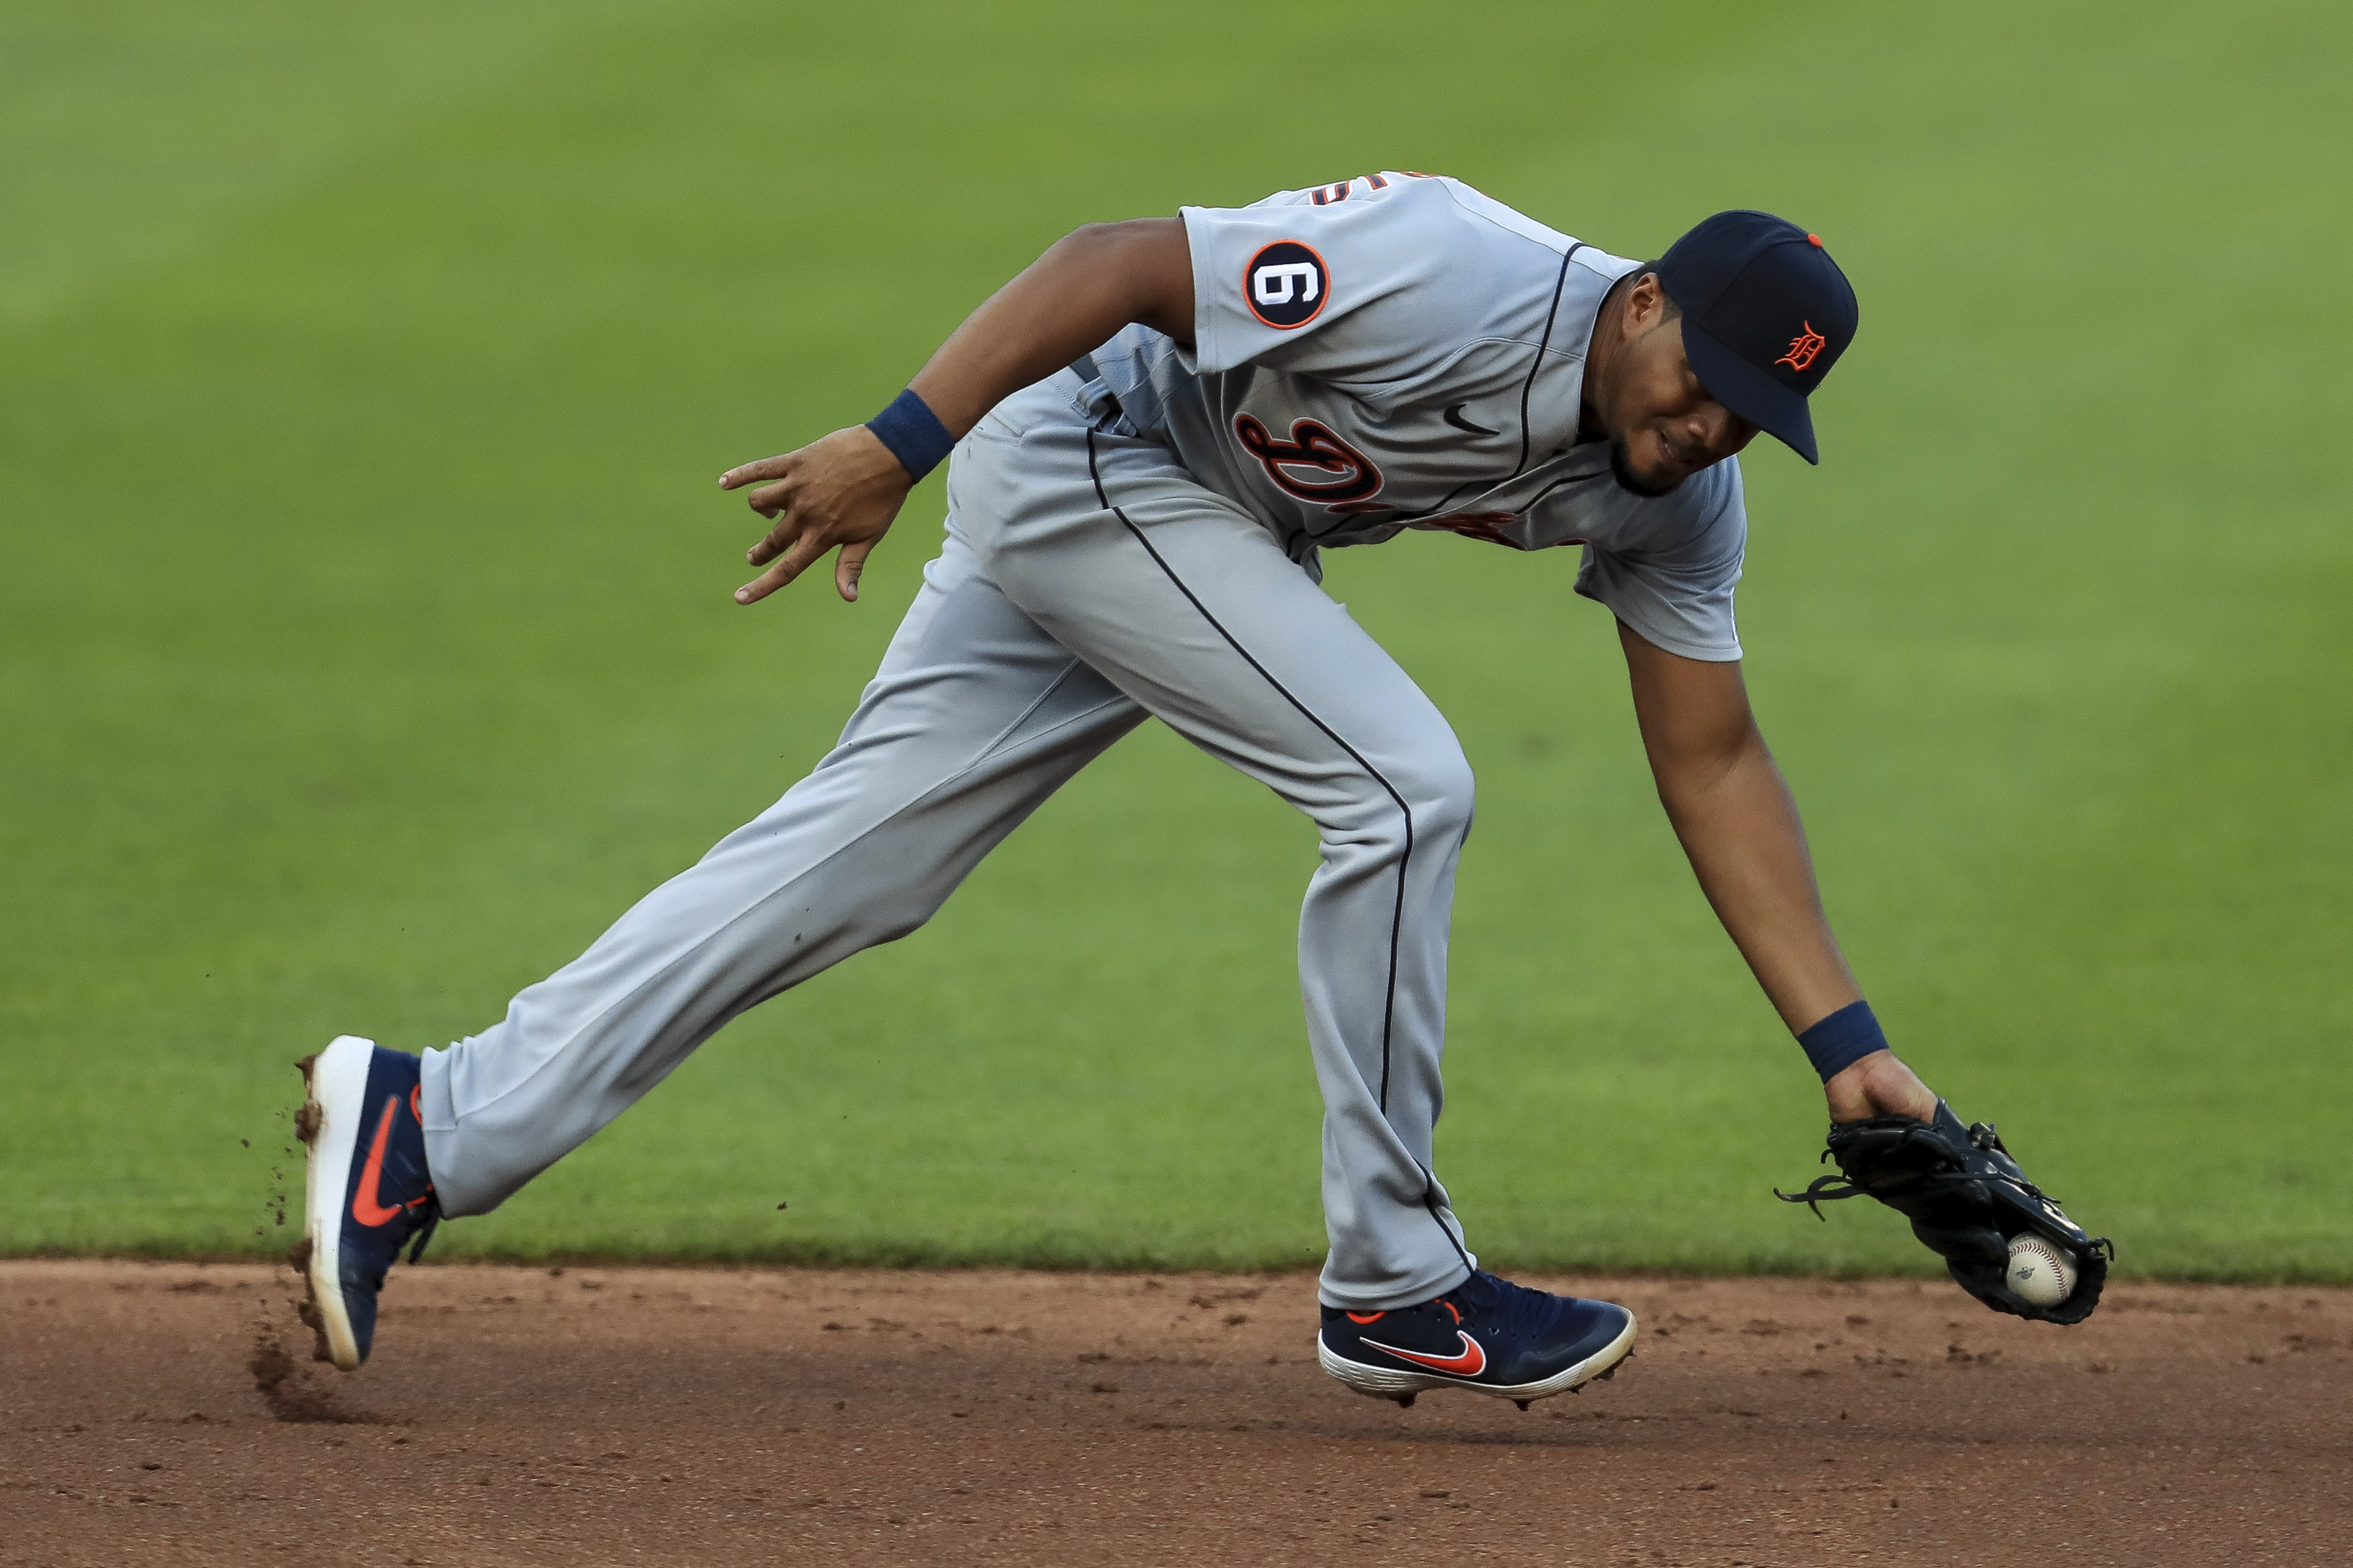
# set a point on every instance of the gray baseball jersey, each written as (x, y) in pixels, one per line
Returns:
(1400, 351)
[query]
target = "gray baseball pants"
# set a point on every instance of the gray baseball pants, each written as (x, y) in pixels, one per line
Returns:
(1087, 580)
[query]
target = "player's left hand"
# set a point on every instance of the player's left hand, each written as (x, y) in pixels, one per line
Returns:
(841, 489)
(1968, 1202)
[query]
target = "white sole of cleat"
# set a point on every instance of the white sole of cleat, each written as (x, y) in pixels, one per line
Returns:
(1380, 1382)
(330, 1125)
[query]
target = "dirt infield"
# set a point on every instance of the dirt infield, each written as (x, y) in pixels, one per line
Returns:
(612, 1415)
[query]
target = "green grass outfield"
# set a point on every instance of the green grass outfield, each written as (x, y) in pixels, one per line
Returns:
(365, 645)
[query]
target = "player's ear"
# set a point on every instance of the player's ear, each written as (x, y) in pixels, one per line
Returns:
(1646, 304)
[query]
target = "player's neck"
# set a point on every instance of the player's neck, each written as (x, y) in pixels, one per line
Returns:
(1601, 354)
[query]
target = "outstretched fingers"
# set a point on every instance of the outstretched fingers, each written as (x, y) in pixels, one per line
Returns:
(774, 543)
(773, 497)
(842, 489)
(776, 468)
(848, 567)
(789, 565)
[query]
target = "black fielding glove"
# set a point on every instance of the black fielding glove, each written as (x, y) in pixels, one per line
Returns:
(1967, 1200)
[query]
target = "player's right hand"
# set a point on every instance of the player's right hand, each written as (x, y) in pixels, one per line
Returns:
(843, 490)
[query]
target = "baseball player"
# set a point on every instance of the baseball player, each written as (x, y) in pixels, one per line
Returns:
(1156, 430)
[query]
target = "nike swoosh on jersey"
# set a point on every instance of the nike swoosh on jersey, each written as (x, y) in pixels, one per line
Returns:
(1454, 418)
(1471, 1363)
(367, 1205)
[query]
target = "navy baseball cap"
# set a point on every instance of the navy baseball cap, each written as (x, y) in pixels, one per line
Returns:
(1766, 313)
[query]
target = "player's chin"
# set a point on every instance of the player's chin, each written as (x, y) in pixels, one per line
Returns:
(1644, 479)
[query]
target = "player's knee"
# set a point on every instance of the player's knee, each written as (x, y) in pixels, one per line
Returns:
(895, 911)
(1418, 802)
(1441, 795)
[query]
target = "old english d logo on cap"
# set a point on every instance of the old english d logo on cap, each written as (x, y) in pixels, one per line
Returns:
(1766, 313)
(1803, 348)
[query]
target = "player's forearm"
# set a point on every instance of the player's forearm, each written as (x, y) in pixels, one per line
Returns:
(1740, 826)
(1085, 287)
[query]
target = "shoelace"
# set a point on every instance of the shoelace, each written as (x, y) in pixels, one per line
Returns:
(1509, 1308)
(432, 1222)
(1830, 1189)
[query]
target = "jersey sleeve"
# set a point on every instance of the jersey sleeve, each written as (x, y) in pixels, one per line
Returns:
(1371, 287)
(1677, 593)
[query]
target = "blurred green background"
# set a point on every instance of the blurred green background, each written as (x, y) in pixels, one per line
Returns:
(365, 644)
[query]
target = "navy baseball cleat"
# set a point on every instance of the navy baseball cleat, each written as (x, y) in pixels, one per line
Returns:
(1487, 1335)
(366, 1192)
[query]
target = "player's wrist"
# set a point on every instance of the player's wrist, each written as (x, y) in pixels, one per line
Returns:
(1840, 1039)
(913, 434)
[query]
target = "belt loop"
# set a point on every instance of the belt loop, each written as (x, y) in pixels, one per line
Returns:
(1103, 405)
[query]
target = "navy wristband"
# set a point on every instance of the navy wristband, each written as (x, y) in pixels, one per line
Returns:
(1842, 1039)
(914, 433)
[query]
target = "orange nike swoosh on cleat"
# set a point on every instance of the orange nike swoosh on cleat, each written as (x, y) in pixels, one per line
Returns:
(366, 1204)
(1470, 1363)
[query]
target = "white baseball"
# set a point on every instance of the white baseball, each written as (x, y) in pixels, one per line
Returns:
(2041, 1272)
